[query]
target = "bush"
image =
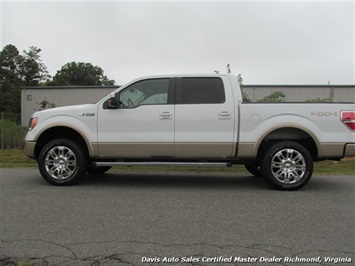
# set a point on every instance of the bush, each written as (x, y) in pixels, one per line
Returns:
(330, 99)
(11, 135)
(276, 96)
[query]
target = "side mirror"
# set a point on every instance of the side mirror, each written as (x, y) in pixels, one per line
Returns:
(112, 103)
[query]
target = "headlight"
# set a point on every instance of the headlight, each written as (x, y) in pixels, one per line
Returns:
(33, 122)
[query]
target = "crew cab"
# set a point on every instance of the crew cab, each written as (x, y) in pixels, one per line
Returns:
(190, 120)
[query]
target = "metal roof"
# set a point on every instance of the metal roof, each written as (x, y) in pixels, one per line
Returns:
(298, 86)
(245, 85)
(70, 87)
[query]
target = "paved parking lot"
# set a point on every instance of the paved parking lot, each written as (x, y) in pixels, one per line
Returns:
(184, 219)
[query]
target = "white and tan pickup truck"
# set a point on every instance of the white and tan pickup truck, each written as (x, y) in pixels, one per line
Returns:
(190, 120)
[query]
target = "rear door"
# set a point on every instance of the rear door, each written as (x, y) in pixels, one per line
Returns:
(204, 117)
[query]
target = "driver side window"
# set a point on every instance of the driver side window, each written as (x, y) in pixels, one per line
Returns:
(145, 92)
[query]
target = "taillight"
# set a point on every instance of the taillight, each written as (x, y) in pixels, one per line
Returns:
(33, 122)
(348, 118)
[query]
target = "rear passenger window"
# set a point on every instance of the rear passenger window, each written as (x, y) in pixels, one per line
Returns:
(202, 91)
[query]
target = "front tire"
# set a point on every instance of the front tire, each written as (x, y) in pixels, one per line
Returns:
(287, 165)
(62, 162)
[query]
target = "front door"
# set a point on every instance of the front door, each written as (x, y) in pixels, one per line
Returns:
(143, 124)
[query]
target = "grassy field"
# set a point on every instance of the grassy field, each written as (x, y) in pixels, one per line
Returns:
(17, 159)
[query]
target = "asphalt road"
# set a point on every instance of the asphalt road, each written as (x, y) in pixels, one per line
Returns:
(187, 219)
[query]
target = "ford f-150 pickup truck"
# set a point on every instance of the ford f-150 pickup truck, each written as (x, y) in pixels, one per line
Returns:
(190, 120)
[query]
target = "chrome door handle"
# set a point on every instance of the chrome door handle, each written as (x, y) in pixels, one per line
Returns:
(165, 115)
(224, 115)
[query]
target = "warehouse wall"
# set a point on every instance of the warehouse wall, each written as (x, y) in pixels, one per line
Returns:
(64, 96)
(31, 97)
(302, 93)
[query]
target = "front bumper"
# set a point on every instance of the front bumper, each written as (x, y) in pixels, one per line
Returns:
(30, 149)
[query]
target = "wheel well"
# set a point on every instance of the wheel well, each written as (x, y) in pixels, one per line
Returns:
(56, 133)
(291, 134)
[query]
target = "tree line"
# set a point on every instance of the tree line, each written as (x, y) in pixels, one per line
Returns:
(27, 69)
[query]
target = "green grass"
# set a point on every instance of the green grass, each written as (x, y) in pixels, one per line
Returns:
(17, 159)
(345, 166)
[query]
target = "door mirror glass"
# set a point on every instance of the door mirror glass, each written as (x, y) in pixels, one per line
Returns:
(112, 103)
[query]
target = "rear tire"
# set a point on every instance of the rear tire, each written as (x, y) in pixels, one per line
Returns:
(287, 165)
(62, 162)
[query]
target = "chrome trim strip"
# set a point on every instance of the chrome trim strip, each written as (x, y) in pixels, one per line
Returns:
(158, 164)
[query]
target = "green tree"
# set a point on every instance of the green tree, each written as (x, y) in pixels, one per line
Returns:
(10, 79)
(18, 70)
(80, 74)
(34, 71)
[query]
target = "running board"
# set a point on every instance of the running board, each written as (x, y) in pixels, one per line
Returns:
(98, 164)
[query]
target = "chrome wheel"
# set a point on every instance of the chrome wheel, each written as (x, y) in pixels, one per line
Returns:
(60, 162)
(288, 166)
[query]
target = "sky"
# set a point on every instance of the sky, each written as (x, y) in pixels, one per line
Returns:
(279, 42)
